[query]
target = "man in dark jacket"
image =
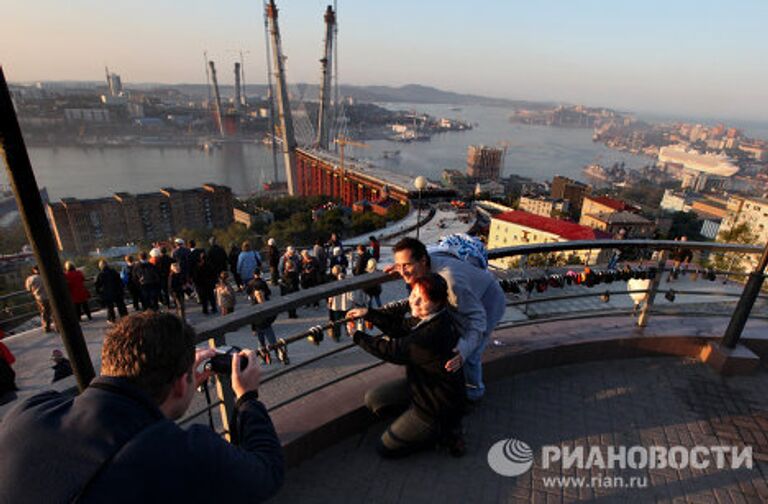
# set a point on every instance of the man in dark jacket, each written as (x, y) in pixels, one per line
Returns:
(109, 286)
(147, 276)
(217, 257)
(117, 442)
(361, 260)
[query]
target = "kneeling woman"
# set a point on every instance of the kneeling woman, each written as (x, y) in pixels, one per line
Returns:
(423, 342)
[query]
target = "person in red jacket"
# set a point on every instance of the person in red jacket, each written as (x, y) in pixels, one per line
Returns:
(7, 375)
(80, 295)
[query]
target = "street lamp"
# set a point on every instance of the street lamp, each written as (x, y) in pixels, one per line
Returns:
(419, 183)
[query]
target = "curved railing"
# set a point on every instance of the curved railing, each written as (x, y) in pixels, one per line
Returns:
(214, 331)
(515, 281)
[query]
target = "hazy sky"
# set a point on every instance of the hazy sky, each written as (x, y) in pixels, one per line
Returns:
(698, 58)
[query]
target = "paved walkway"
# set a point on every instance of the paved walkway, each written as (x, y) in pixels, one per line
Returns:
(638, 402)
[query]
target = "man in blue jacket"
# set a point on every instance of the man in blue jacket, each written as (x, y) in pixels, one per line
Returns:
(118, 442)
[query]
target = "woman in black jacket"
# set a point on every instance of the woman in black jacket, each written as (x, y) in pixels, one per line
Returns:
(423, 342)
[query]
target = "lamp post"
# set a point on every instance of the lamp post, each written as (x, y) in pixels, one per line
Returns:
(419, 183)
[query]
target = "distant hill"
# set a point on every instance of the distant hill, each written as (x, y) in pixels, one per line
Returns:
(410, 93)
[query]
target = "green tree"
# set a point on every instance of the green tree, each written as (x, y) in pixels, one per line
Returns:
(730, 261)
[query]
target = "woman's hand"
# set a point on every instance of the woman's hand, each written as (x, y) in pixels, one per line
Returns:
(455, 363)
(357, 313)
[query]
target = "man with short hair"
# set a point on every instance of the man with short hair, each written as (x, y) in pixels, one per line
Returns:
(473, 292)
(217, 256)
(117, 442)
(147, 276)
(34, 285)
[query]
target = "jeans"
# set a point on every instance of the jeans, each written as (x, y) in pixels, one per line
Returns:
(377, 298)
(614, 260)
(473, 371)
(410, 431)
(265, 336)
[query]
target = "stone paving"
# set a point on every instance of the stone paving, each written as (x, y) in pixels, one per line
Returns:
(662, 401)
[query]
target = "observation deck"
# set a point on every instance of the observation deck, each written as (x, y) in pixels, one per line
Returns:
(565, 367)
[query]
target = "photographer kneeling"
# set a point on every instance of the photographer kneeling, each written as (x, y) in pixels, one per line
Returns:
(118, 442)
(424, 342)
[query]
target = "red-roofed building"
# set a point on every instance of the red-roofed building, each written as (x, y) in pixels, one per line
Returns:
(522, 228)
(603, 204)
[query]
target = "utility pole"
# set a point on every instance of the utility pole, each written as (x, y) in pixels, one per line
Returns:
(283, 105)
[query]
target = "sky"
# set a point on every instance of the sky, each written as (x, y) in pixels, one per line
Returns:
(674, 57)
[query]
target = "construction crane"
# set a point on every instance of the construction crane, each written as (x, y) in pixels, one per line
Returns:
(342, 142)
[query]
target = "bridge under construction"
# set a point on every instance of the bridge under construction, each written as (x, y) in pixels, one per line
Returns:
(316, 170)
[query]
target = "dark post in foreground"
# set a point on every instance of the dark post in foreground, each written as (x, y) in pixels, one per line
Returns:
(746, 301)
(38, 231)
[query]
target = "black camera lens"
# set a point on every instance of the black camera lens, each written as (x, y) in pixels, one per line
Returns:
(222, 363)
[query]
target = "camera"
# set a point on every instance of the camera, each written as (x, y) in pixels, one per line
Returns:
(221, 363)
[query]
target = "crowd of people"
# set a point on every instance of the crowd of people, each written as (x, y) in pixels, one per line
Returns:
(150, 369)
(171, 278)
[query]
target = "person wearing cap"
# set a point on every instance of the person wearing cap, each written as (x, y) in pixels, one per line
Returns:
(34, 285)
(61, 366)
(118, 441)
(273, 257)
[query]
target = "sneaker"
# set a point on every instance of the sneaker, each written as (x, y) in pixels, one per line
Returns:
(282, 356)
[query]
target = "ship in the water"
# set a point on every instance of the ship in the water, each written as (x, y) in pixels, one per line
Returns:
(596, 171)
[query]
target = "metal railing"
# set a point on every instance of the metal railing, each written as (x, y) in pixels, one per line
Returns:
(214, 331)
